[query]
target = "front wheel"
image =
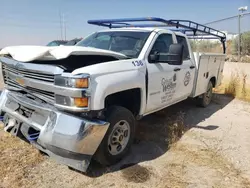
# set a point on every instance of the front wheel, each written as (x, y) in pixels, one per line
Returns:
(205, 99)
(119, 137)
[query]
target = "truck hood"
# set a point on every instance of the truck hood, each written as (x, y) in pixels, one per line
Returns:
(31, 53)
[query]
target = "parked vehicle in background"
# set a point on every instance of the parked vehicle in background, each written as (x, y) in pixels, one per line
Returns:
(73, 42)
(57, 43)
(82, 101)
(64, 42)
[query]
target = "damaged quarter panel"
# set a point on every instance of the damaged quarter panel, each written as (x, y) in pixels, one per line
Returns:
(111, 77)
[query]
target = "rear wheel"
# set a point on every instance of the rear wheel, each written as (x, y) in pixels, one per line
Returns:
(119, 137)
(205, 99)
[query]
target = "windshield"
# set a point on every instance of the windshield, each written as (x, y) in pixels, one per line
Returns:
(129, 43)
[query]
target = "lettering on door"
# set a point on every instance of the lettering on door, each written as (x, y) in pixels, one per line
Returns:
(168, 88)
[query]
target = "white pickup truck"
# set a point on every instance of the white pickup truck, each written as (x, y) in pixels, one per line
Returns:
(80, 102)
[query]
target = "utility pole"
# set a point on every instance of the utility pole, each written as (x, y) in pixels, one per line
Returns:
(239, 42)
(241, 10)
(61, 27)
(64, 28)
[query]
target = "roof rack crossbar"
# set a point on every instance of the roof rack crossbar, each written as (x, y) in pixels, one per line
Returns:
(202, 38)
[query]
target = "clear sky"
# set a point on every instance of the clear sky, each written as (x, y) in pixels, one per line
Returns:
(38, 21)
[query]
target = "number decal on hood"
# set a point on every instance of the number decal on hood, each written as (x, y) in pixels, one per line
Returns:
(137, 63)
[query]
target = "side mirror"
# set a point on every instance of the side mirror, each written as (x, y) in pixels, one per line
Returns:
(154, 57)
(176, 54)
(173, 57)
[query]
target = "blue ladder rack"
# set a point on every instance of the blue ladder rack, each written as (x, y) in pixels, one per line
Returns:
(190, 28)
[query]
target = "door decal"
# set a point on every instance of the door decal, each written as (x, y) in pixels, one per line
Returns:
(187, 78)
(168, 88)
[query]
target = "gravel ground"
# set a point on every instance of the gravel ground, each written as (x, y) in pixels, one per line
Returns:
(214, 151)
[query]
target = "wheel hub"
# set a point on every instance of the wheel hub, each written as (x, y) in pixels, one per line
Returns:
(119, 137)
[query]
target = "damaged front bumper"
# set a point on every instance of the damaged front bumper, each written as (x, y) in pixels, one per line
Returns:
(68, 139)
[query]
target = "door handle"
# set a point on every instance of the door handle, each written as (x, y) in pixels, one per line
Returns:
(177, 69)
(192, 67)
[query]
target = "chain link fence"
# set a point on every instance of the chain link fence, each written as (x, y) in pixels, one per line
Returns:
(230, 26)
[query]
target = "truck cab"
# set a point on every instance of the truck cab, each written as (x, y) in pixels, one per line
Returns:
(168, 83)
(81, 102)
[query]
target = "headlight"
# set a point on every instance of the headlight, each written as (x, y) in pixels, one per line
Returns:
(78, 86)
(74, 81)
(82, 83)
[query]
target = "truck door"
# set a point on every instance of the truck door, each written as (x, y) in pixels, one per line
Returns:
(186, 73)
(162, 82)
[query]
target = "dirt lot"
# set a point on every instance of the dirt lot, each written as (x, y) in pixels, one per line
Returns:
(213, 151)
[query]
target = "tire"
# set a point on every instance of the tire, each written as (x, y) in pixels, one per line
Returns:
(119, 136)
(205, 99)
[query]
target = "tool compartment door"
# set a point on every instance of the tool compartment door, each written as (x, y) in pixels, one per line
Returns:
(201, 81)
(215, 67)
(209, 66)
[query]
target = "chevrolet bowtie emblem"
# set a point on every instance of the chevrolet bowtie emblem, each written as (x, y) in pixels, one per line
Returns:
(20, 81)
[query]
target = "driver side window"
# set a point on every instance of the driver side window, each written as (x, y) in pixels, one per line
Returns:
(162, 44)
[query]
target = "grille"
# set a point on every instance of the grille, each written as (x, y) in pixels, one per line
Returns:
(49, 78)
(30, 74)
